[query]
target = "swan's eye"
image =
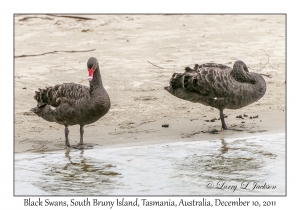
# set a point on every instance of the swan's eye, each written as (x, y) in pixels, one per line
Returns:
(252, 82)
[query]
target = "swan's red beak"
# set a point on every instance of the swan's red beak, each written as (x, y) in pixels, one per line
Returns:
(91, 72)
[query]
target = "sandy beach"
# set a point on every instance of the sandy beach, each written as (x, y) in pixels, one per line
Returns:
(137, 55)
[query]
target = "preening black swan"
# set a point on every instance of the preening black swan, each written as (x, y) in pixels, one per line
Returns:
(218, 86)
(72, 104)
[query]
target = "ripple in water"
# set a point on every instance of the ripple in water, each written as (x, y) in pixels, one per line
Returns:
(218, 167)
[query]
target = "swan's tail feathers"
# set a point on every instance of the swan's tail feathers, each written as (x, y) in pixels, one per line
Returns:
(189, 70)
(184, 81)
(196, 67)
(44, 112)
(175, 81)
(46, 96)
(38, 96)
(44, 107)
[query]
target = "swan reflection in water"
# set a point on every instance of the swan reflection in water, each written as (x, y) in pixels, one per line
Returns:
(77, 174)
(181, 168)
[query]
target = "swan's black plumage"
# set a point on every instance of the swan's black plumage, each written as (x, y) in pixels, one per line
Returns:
(219, 86)
(72, 104)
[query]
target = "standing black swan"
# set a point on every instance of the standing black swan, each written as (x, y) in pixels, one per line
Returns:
(218, 86)
(72, 104)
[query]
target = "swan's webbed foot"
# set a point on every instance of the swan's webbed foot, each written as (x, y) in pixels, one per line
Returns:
(83, 146)
(78, 146)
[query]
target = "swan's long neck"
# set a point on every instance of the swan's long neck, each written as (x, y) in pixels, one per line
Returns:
(240, 75)
(96, 81)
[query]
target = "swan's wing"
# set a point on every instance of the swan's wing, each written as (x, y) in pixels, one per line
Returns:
(206, 79)
(63, 93)
(212, 65)
(212, 79)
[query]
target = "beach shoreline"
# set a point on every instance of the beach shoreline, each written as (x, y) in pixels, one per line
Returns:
(137, 56)
(152, 132)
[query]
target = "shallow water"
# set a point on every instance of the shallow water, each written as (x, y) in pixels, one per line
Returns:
(214, 167)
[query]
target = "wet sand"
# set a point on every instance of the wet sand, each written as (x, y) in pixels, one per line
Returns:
(124, 46)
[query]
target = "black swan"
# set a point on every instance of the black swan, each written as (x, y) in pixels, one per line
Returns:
(72, 104)
(218, 86)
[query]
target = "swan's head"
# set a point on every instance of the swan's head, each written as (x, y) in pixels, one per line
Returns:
(92, 64)
(255, 81)
(241, 66)
(240, 72)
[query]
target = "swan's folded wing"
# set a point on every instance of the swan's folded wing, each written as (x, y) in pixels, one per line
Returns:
(213, 65)
(63, 93)
(209, 80)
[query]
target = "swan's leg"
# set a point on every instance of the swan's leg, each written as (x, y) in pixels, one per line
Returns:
(223, 120)
(66, 135)
(81, 134)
